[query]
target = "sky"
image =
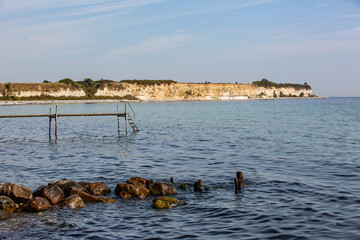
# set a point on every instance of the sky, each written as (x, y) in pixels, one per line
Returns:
(284, 41)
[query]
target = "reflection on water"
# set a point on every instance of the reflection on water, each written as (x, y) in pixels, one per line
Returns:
(300, 157)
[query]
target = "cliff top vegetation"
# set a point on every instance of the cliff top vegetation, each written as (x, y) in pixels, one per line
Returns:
(88, 85)
(268, 84)
(148, 82)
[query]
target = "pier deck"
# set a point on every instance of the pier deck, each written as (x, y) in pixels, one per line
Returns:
(56, 115)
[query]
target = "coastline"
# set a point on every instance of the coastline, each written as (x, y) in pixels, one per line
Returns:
(49, 102)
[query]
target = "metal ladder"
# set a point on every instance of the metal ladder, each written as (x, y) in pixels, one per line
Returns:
(132, 123)
(130, 120)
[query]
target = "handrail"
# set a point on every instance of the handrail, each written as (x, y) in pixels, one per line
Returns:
(131, 109)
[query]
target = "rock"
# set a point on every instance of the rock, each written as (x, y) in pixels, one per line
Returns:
(164, 202)
(67, 185)
(7, 204)
(126, 189)
(96, 188)
(74, 201)
(91, 198)
(3, 215)
(137, 181)
(197, 186)
(125, 195)
(182, 186)
(149, 183)
(36, 204)
(17, 193)
(161, 189)
(52, 193)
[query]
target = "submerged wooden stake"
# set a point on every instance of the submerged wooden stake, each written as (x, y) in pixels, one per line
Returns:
(197, 186)
(239, 175)
(238, 181)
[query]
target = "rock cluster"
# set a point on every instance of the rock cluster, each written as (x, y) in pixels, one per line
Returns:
(14, 197)
(141, 188)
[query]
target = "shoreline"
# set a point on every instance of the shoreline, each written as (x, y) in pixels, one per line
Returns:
(50, 102)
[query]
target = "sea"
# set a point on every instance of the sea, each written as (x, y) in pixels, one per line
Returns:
(300, 159)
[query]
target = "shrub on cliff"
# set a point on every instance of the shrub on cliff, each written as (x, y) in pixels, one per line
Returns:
(68, 81)
(148, 82)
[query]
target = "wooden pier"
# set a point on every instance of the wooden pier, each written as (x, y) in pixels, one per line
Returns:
(128, 119)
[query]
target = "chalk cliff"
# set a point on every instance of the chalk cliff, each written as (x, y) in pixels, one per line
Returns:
(199, 91)
(173, 91)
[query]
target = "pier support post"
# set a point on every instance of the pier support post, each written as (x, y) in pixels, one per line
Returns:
(126, 120)
(118, 120)
(56, 118)
(50, 125)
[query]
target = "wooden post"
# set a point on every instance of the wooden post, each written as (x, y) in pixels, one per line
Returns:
(198, 186)
(238, 181)
(50, 125)
(56, 118)
(239, 175)
(126, 120)
(118, 120)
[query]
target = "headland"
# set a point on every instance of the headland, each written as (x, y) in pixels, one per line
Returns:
(69, 91)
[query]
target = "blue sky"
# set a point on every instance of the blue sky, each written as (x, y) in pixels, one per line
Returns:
(297, 41)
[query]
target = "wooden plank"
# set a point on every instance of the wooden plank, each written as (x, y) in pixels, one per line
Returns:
(65, 115)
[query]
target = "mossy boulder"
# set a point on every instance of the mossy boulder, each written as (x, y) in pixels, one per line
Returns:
(164, 202)
(7, 204)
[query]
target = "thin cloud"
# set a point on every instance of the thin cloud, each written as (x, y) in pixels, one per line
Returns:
(251, 4)
(351, 16)
(60, 10)
(156, 44)
(321, 5)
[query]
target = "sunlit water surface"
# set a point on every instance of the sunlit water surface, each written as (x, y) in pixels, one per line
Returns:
(300, 158)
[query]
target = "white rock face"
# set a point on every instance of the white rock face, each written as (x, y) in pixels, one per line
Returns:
(193, 91)
(59, 93)
(174, 91)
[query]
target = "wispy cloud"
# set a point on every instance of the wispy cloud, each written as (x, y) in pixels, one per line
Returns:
(351, 16)
(255, 3)
(156, 44)
(321, 5)
(37, 11)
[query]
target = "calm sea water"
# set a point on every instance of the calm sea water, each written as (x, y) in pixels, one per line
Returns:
(300, 157)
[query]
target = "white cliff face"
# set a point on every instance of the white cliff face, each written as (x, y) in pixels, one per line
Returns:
(58, 93)
(174, 91)
(272, 92)
(187, 91)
